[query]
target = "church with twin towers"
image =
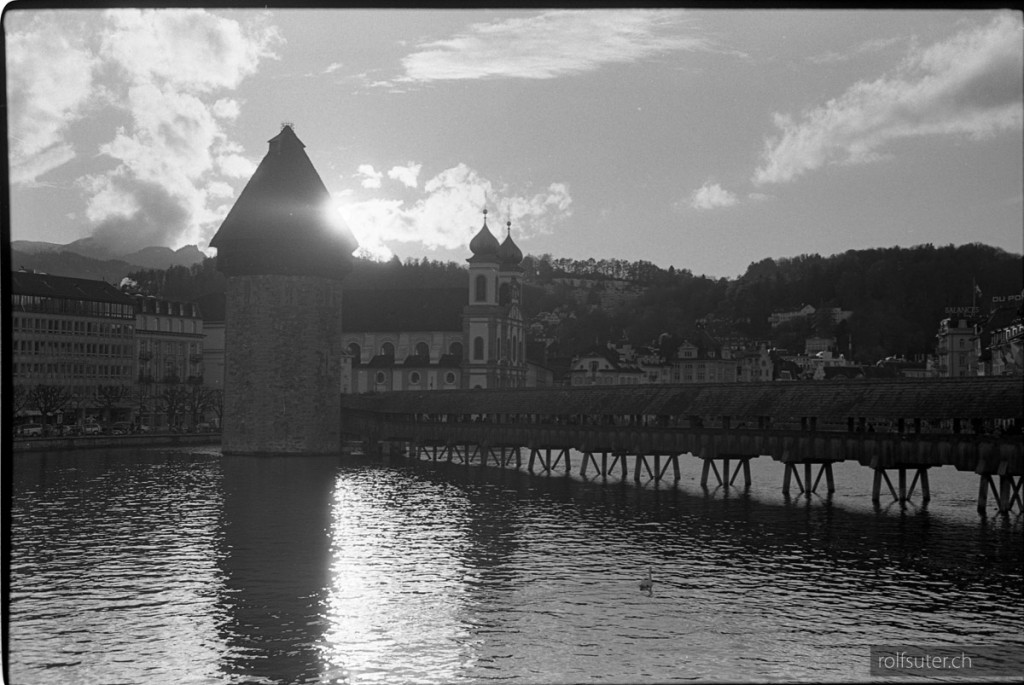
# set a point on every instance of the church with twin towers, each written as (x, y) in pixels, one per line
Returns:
(295, 338)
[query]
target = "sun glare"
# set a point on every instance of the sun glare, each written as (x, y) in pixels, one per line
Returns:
(343, 214)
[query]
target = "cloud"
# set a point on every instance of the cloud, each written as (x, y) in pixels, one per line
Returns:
(176, 64)
(131, 214)
(967, 85)
(49, 83)
(167, 75)
(551, 44)
(185, 49)
(407, 175)
(867, 47)
(711, 195)
(371, 177)
(448, 213)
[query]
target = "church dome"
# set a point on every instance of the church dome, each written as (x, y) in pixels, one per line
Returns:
(509, 253)
(484, 245)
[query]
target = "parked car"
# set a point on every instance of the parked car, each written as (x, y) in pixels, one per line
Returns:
(90, 428)
(70, 429)
(30, 430)
(121, 428)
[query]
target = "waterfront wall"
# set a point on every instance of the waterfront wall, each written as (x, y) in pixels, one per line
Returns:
(114, 441)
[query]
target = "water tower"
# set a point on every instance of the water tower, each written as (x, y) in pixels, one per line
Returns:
(285, 253)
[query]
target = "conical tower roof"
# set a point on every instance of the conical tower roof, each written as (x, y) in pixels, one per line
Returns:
(283, 221)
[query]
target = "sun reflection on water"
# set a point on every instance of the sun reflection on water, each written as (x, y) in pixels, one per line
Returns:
(396, 606)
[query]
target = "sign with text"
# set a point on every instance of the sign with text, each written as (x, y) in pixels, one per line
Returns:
(963, 311)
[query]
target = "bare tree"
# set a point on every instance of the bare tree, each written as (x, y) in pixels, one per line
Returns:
(49, 400)
(19, 399)
(197, 401)
(174, 402)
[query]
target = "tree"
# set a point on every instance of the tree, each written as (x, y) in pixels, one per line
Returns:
(48, 400)
(19, 399)
(173, 401)
(197, 400)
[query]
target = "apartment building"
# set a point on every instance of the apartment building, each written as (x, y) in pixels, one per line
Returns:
(84, 349)
(75, 336)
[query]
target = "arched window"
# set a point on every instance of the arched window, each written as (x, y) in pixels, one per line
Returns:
(515, 348)
(455, 349)
(422, 350)
(353, 349)
(387, 349)
(481, 288)
(478, 348)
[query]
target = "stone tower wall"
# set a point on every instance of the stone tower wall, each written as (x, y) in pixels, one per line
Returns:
(283, 365)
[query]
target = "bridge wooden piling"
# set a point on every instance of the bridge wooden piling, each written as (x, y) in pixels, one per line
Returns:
(1006, 497)
(724, 478)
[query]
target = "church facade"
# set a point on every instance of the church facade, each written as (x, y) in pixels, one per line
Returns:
(445, 338)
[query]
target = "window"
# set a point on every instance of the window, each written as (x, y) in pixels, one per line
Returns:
(481, 288)
(381, 377)
(414, 377)
(422, 350)
(387, 349)
(449, 377)
(478, 348)
(455, 349)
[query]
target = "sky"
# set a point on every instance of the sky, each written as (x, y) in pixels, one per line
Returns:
(701, 139)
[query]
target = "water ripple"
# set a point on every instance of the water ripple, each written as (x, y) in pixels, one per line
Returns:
(186, 566)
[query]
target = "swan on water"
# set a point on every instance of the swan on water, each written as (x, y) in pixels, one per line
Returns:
(647, 584)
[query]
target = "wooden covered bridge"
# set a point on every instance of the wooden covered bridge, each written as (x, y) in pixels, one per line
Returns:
(900, 426)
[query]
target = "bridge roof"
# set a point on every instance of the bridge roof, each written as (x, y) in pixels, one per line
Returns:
(981, 397)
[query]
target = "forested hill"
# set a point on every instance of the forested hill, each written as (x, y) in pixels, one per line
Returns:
(897, 295)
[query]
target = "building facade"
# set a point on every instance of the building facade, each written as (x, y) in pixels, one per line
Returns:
(169, 339)
(85, 350)
(955, 352)
(443, 338)
(73, 348)
(404, 339)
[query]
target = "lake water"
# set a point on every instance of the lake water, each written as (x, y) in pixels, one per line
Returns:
(186, 566)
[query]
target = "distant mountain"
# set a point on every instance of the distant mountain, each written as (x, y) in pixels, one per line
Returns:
(72, 265)
(34, 247)
(154, 257)
(164, 257)
(86, 258)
